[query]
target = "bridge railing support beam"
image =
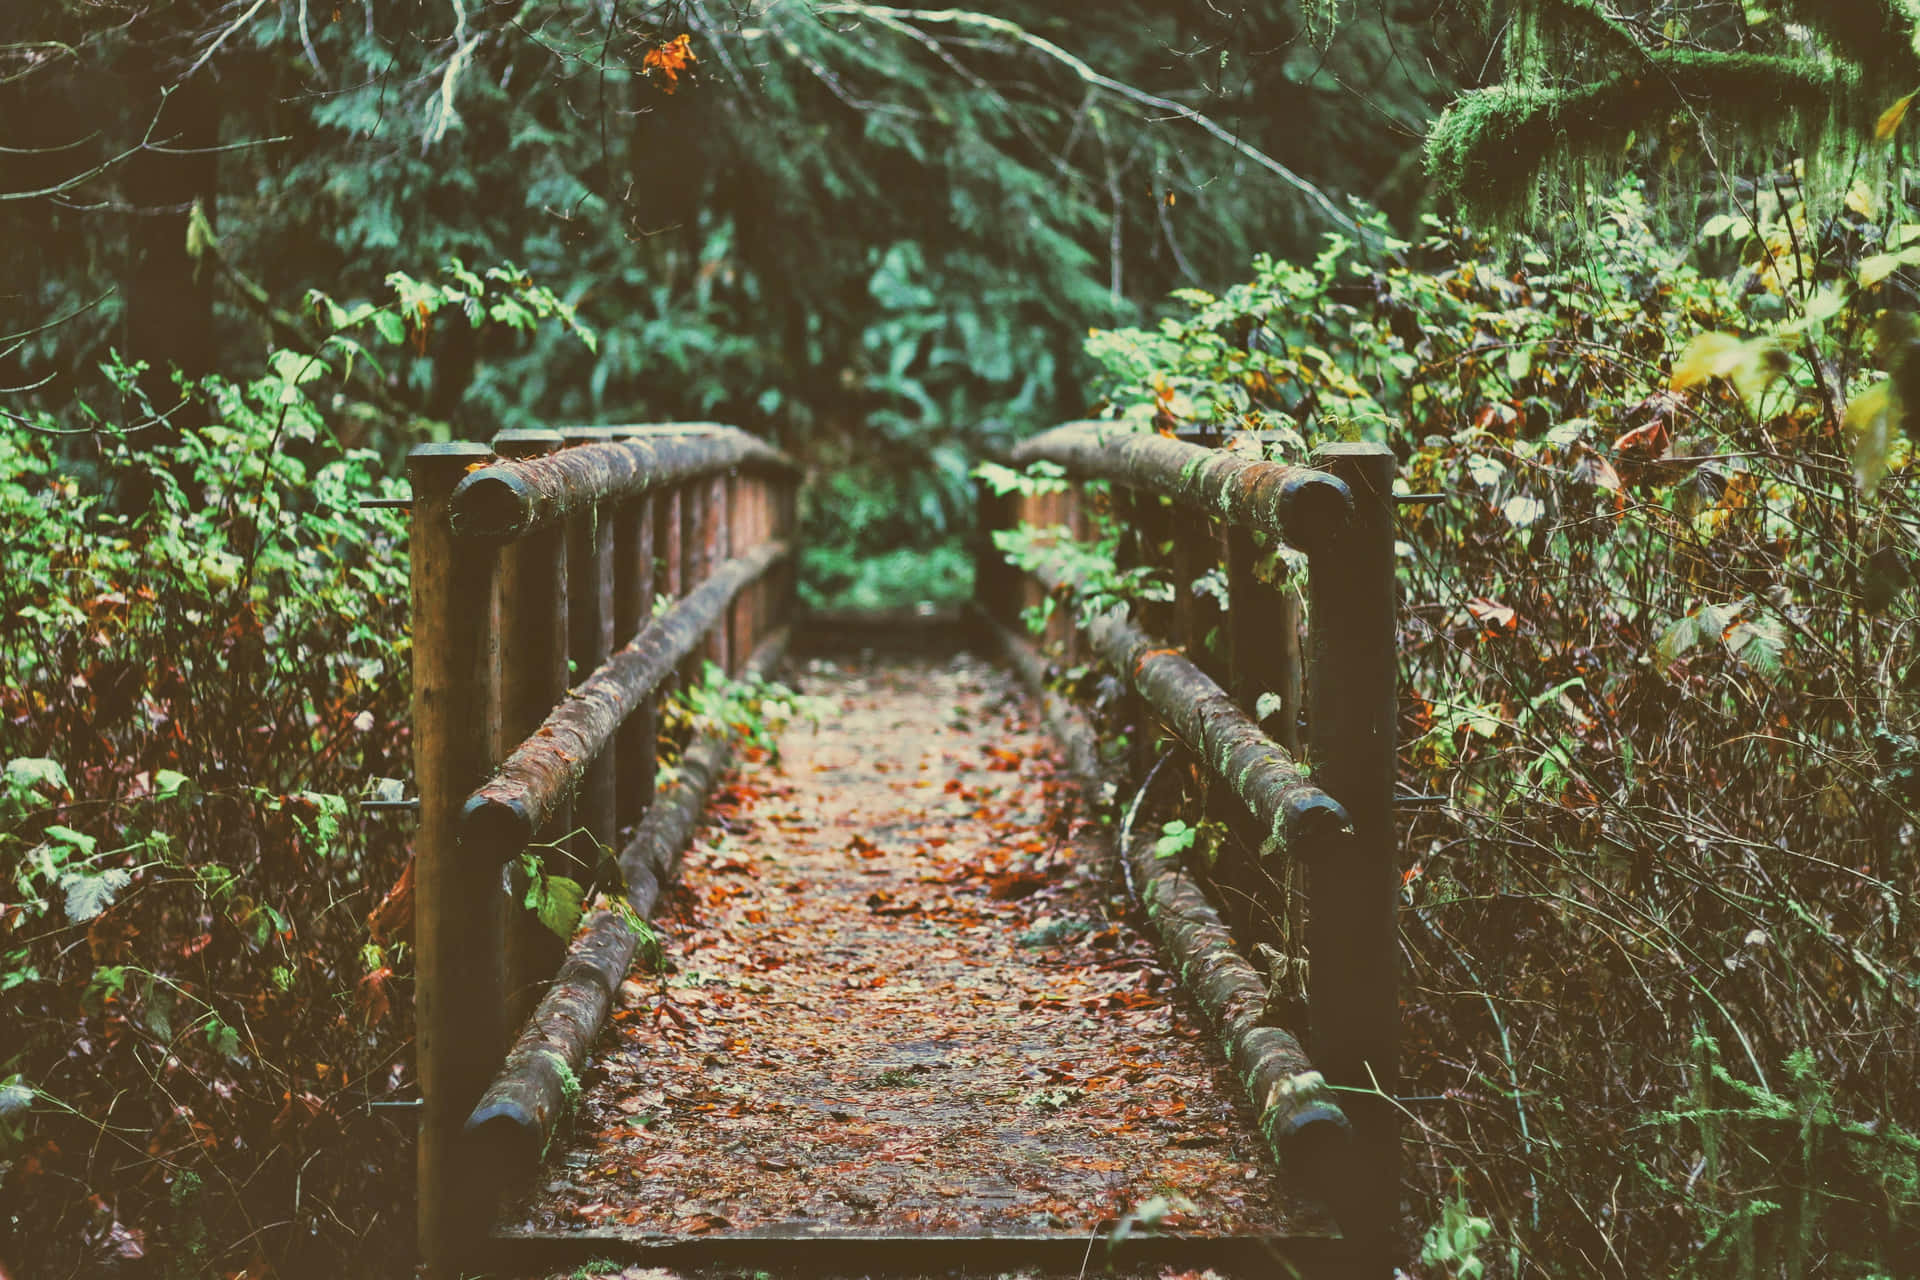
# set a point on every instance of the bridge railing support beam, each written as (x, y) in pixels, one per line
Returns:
(1352, 935)
(460, 1004)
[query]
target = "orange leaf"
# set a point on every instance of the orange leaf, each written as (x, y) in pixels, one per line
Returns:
(670, 59)
(1649, 441)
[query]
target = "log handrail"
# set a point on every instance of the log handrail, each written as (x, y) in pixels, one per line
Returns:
(540, 650)
(1335, 819)
(1298, 504)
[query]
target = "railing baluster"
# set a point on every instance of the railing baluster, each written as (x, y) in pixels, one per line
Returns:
(533, 664)
(635, 750)
(1351, 932)
(693, 559)
(718, 526)
(589, 643)
(459, 1001)
(668, 520)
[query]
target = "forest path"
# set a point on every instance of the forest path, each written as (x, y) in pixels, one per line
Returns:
(903, 996)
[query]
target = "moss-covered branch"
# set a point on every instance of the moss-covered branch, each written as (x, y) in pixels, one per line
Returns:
(1493, 146)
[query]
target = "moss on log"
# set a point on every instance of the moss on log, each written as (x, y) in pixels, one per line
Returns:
(1298, 1116)
(502, 816)
(1292, 813)
(1296, 504)
(509, 499)
(520, 1112)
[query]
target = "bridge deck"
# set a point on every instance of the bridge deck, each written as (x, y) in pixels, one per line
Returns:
(904, 1003)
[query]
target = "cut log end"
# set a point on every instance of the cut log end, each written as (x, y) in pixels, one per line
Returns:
(505, 1135)
(1312, 819)
(491, 503)
(494, 829)
(1312, 507)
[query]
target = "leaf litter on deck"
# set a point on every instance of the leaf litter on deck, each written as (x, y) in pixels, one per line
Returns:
(902, 994)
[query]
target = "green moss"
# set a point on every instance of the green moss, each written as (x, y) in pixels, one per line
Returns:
(1495, 148)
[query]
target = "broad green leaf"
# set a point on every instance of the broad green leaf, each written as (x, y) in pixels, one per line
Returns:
(16, 1095)
(296, 367)
(1681, 635)
(225, 1041)
(562, 905)
(79, 840)
(1876, 268)
(90, 895)
(33, 772)
(1823, 306)
(1758, 642)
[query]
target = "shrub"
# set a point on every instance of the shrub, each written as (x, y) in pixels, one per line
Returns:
(1659, 656)
(199, 1024)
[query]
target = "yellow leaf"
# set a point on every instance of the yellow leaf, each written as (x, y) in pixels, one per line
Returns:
(1871, 419)
(1877, 267)
(1890, 118)
(1710, 355)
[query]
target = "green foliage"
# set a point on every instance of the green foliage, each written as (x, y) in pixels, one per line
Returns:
(190, 694)
(556, 901)
(1179, 839)
(1658, 653)
(752, 710)
(1784, 1183)
(1454, 1241)
(1593, 90)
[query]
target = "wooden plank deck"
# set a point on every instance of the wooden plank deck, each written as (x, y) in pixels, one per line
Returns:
(907, 1023)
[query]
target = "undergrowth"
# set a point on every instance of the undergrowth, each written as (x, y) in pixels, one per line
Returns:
(206, 1027)
(1658, 662)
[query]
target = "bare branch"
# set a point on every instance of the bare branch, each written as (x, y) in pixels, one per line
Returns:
(1013, 31)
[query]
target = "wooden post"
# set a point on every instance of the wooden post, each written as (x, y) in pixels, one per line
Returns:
(1132, 553)
(590, 643)
(719, 525)
(533, 664)
(1352, 939)
(668, 519)
(634, 752)
(459, 1001)
(753, 508)
(693, 562)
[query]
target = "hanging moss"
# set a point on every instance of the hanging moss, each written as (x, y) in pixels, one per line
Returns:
(1591, 85)
(1494, 148)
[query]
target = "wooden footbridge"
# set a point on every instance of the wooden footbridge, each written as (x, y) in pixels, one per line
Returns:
(908, 1021)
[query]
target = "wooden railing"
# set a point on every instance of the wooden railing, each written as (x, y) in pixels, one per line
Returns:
(538, 659)
(1307, 786)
